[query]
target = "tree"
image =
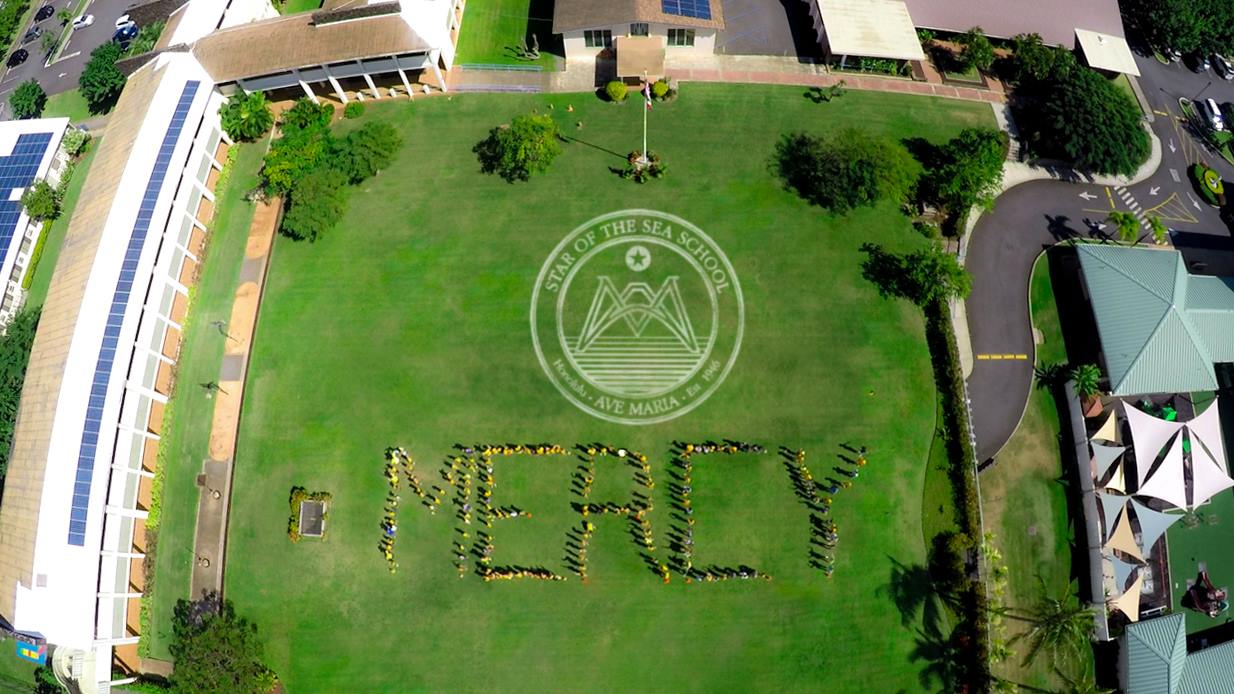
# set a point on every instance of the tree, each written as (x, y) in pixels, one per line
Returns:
(970, 170)
(45, 681)
(1128, 226)
(1032, 59)
(28, 100)
(293, 156)
(1167, 24)
(1092, 122)
(366, 151)
(75, 141)
(306, 115)
(976, 51)
(15, 346)
(317, 202)
(527, 145)
(48, 42)
(844, 170)
(101, 81)
(1087, 379)
(1159, 229)
(41, 201)
(925, 277)
(216, 651)
(1060, 626)
(246, 116)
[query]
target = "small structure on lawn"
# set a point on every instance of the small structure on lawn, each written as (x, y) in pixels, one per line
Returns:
(309, 512)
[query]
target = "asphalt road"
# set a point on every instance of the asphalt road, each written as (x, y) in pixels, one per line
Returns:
(62, 75)
(1033, 216)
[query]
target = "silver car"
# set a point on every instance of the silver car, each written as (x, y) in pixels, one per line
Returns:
(1210, 114)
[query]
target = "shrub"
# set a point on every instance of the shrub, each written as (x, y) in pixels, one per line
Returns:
(641, 173)
(11, 14)
(41, 201)
(293, 156)
(1208, 183)
(844, 170)
(353, 109)
(28, 100)
(316, 203)
(75, 141)
(306, 115)
(15, 346)
(616, 91)
(515, 151)
(660, 89)
(366, 151)
(976, 50)
(36, 254)
(101, 81)
(246, 116)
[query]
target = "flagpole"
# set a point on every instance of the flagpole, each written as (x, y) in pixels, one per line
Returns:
(646, 157)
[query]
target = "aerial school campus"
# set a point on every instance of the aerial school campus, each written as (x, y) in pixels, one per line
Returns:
(680, 346)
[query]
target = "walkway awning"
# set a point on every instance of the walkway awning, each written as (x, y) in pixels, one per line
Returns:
(870, 28)
(640, 55)
(1107, 52)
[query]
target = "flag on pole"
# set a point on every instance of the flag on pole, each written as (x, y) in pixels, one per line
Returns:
(647, 93)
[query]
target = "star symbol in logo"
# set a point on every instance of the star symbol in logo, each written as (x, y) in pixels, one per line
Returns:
(638, 258)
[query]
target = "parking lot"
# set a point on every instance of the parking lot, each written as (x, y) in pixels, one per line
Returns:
(63, 74)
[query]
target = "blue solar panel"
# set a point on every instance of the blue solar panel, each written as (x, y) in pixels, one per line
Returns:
(698, 9)
(17, 171)
(115, 318)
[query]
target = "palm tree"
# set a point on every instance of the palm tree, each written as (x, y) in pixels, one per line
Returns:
(1087, 378)
(1128, 226)
(1159, 229)
(1084, 684)
(1060, 626)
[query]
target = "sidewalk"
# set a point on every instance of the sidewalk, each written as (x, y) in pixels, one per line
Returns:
(215, 481)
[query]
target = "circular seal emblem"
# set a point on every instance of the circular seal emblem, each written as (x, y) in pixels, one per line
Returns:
(637, 317)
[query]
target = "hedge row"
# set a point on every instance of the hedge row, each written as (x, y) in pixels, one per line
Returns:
(945, 355)
(36, 255)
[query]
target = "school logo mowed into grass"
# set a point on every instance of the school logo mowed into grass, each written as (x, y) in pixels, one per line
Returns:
(637, 316)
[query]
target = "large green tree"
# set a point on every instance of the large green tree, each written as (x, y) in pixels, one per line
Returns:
(925, 276)
(1166, 24)
(216, 651)
(1059, 626)
(317, 202)
(293, 156)
(969, 170)
(976, 51)
(514, 151)
(844, 170)
(364, 152)
(306, 115)
(28, 100)
(101, 81)
(41, 201)
(246, 116)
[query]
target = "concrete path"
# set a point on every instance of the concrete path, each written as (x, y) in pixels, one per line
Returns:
(210, 542)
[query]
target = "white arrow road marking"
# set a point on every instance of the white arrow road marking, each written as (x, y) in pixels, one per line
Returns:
(1100, 226)
(1173, 149)
(1154, 190)
(1088, 196)
(1194, 201)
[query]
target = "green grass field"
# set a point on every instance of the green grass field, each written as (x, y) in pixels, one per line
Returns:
(495, 31)
(70, 104)
(408, 325)
(37, 293)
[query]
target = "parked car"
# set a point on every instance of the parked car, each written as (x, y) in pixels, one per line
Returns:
(17, 57)
(123, 21)
(44, 12)
(124, 36)
(31, 35)
(1172, 54)
(1223, 67)
(1210, 114)
(1198, 62)
(83, 21)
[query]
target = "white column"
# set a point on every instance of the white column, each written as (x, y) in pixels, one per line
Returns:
(175, 284)
(148, 392)
(172, 323)
(119, 641)
(122, 555)
(411, 93)
(187, 253)
(434, 57)
(367, 78)
(205, 192)
(138, 432)
(338, 89)
(126, 513)
(308, 91)
(133, 471)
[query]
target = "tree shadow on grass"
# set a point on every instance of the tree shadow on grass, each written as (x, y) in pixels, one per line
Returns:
(911, 588)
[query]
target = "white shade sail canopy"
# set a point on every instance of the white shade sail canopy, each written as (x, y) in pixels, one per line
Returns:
(1153, 525)
(1122, 572)
(1208, 477)
(1104, 456)
(1168, 481)
(1129, 602)
(1111, 504)
(1149, 435)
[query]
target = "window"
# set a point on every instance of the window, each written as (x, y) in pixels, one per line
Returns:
(640, 29)
(599, 38)
(681, 37)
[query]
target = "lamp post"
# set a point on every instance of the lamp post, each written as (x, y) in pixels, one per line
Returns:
(1197, 94)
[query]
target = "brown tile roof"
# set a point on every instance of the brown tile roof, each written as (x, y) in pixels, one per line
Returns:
(23, 485)
(572, 15)
(286, 43)
(1055, 20)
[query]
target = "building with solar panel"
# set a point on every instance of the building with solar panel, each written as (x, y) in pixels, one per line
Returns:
(29, 152)
(79, 486)
(593, 28)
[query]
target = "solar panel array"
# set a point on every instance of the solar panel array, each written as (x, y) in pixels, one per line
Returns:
(115, 318)
(17, 171)
(698, 9)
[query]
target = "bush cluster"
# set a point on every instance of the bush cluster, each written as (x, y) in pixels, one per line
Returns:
(35, 256)
(1208, 183)
(299, 495)
(844, 170)
(15, 346)
(353, 109)
(11, 14)
(616, 91)
(311, 167)
(75, 141)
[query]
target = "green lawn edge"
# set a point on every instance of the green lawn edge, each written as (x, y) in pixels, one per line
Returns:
(46, 267)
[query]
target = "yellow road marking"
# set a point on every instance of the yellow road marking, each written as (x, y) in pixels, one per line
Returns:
(1160, 113)
(1110, 196)
(1172, 209)
(1003, 357)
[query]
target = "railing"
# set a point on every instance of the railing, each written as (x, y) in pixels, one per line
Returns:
(514, 88)
(502, 68)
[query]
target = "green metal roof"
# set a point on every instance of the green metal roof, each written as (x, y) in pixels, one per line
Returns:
(1161, 328)
(1155, 654)
(1209, 671)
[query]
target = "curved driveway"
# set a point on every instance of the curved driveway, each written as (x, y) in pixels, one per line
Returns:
(1032, 216)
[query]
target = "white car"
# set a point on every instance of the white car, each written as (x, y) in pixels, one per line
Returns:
(1210, 113)
(124, 23)
(83, 21)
